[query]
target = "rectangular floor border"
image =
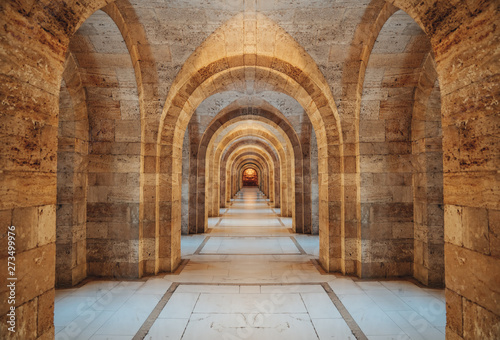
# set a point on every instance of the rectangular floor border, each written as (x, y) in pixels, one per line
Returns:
(249, 284)
(218, 223)
(146, 326)
(353, 325)
(202, 245)
(153, 316)
(198, 250)
(250, 236)
(299, 247)
(252, 254)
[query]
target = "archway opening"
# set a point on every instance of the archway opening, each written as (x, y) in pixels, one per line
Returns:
(250, 178)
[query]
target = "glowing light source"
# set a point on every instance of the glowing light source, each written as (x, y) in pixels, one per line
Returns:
(250, 178)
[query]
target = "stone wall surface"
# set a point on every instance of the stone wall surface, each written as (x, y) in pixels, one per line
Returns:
(114, 163)
(387, 164)
(399, 178)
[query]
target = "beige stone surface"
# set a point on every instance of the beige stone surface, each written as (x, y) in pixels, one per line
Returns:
(95, 104)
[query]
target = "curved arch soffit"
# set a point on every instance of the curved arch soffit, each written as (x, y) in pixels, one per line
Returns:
(248, 123)
(250, 107)
(250, 140)
(288, 68)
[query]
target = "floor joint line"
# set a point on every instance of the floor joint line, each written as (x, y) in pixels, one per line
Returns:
(198, 250)
(150, 320)
(153, 316)
(299, 247)
(351, 323)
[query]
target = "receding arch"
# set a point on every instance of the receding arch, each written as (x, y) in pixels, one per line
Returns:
(262, 111)
(265, 167)
(220, 132)
(286, 186)
(250, 177)
(453, 26)
(288, 69)
(264, 159)
(249, 143)
(254, 164)
(249, 170)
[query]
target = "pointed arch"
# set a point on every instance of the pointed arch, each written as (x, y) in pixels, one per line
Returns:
(250, 48)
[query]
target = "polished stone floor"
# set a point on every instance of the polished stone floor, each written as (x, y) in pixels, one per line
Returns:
(250, 278)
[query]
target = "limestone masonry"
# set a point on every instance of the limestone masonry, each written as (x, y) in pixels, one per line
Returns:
(371, 123)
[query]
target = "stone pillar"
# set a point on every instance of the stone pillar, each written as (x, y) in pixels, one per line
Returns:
(185, 183)
(314, 185)
(194, 141)
(71, 228)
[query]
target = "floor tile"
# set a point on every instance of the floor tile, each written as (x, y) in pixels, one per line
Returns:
(250, 245)
(112, 301)
(154, 286)
(109, 337)
(208, 289)
(415, 326)
(320, 306)
(332, 329)
(345, 286)
(294, 288)
(180, 306)
(128, 319)
(95, 288)
(387, 300)
(167, 329)
(250, 281)
(85, 325)
(250, 303)
(70, 307)
(404, 288)
(432, 309)
(250, 290)
(253, 327)
(371, 285)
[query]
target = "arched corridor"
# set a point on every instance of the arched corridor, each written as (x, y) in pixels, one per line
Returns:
(171, 168)
(250, 178)
(250, 277)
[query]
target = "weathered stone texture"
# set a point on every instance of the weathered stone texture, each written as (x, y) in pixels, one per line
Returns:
(389, 198)
(96, 187)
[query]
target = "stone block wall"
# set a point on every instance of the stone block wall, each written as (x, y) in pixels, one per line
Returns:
(387, 164)
(32, 62)
(35, 36)
(72, 154)
(428, 262)
(114, 157)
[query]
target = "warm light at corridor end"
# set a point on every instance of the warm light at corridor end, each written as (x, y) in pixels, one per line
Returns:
(250, 178)
(249, 173)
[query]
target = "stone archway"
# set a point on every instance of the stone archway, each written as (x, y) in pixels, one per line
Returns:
(250, 178)
(210, 66)
(250, 144)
